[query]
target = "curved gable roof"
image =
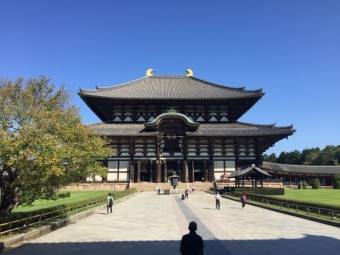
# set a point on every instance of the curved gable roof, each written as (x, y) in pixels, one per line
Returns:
(170, 87)
(244, 171)
(170, 115)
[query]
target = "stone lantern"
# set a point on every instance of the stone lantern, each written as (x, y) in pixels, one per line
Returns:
(174, 179)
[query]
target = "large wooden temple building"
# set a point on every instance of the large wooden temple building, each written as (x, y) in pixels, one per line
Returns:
(159, 124)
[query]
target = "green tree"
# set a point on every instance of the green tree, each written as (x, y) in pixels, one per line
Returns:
(283, 158)
(304, 185)
(294, 157)
(312, 158)
(315, 183)
(336, 184)
(306, 154)
(43, 143)
(271, 158)
(329, 155)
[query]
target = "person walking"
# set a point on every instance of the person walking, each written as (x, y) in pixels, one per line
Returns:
(218, 202)
(109, 204)
(243, 199)
(158, 190)
(186, 193)
(192, 244)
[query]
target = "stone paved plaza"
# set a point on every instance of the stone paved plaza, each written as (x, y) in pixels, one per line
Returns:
(151, 224)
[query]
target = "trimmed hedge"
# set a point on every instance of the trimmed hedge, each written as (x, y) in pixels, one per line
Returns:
(304, 185)
(336, 181)
(303, 203)
(315, 183)
(261, 191)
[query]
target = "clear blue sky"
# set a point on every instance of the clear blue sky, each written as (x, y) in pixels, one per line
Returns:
(290, 49)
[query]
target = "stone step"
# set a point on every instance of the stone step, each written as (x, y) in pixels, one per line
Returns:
(146, 186)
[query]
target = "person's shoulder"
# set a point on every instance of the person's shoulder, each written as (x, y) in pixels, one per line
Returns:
(185, 236)
(199, 237)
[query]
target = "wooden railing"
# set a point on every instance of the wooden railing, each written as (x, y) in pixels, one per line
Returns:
(293, 207)
(25, 223)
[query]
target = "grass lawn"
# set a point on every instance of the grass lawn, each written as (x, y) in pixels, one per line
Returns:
(324, 196)
(76, 195)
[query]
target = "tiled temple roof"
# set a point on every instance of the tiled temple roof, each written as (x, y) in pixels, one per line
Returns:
(244, 171)
(170, 87)
(241, 129)
(218, 129)
(300, 168)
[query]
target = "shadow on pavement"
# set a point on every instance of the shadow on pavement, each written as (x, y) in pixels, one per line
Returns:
(310, 244)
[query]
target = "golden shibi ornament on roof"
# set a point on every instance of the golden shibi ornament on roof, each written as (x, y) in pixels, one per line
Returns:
(190, 73)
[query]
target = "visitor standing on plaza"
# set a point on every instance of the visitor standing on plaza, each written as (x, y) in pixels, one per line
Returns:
(193, 189)
(192, 244)
(186, 193)
(243, 199)
(159, 190)
(218, 202)
(109, 204)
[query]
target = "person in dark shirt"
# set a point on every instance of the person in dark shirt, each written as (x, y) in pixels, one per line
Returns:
(192, 244)
(186, 193)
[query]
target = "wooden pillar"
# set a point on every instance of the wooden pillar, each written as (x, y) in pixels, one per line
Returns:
(211, 161)
(158, 170)
(205, 174)
(138, 170)
(165, 172)
(290, 179)
(179, 170)
(132, 171)
(193, 168)
(185, 169)
(252, 182)
(332, 178)
(211, 171)
(261, 181)
(150, 170)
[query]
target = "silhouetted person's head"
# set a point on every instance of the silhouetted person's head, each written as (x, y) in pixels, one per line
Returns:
(192, 226)
(109, 194)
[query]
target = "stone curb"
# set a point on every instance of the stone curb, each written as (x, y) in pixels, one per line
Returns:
(54, 226)
(307, 217)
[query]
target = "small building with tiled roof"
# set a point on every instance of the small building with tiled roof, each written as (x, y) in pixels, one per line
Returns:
(250, 173)
(293, 174)
(160, 124)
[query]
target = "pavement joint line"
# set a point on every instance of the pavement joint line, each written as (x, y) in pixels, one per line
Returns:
(181, 219)
(214, 225)
(214, 247)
